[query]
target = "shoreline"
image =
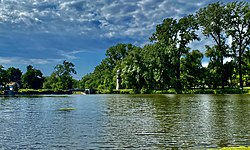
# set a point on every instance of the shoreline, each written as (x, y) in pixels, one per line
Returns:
(27, 92)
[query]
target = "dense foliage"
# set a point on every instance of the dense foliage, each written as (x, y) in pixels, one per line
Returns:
(60, 79)
(168, 62)
(32, 79)
(9, 75)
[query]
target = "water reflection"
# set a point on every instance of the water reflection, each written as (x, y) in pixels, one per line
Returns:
(125, 122)
(178, 121)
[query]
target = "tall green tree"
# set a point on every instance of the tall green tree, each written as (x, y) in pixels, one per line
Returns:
(213, 20)
(177, 35)
(117, 53)
(159, 70)
(213, 68)
(62, 76)
(104, 74)
(50, 82)
(87, 81)
(192, 68)
(133, 69)
(239, 30)
(33, 78)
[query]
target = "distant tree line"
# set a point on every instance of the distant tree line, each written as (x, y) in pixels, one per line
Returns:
(60, 79)
(169, 62)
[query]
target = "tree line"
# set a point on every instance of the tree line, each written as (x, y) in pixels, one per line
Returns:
(169, 62)
(60, 79)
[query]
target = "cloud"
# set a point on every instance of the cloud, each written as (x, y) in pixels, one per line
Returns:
(26, 61)
(47, 31)
(87, 16)
(71, 54)
(5, 60)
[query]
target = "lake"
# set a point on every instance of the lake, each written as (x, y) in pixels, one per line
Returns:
(124, 121)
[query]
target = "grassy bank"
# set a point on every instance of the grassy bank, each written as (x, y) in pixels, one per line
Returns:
(175, 91)
(43, 91)
(142, 91)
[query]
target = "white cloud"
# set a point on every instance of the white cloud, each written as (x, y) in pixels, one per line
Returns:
(44, 31)
(25, 61)
(89, 16)
(70, 55)
(4, 60)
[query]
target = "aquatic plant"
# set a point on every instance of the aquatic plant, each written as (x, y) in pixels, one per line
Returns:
(66, 109)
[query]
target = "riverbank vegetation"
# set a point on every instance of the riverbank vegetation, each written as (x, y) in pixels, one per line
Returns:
(168, 64)
(33, 81)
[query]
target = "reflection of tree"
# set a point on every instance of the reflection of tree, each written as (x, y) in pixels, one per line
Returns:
(229, 121)
(201, 120)
(129, 121)
(176, 121)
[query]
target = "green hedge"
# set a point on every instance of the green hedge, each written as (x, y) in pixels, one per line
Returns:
(144, 91)
(185, 91)
(44, 91)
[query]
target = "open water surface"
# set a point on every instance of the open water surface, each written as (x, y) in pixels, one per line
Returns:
(125, 122)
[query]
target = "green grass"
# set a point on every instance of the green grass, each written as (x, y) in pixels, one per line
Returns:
(43, 91)
(202, 91)
(143, 91)
(232, 148)
(122, 91)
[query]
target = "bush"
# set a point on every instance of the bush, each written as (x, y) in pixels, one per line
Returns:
(126, 91)
(44, 91)
(144, 91)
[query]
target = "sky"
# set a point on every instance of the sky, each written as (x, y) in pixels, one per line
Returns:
(43, 33)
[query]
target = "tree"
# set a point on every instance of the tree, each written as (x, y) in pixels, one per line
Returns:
(101, 78)
(176, 35)
(14, 74)
(50, 82)
(230, 73)
(62, 78)
(192, 68)
(239, 30)
(3, 76)
(159, 72)
(133, 69)
(104, 74)
(33, 78)
(213, 20)
(86, 81)
(213, 68)
(246, 67)
(117, 53)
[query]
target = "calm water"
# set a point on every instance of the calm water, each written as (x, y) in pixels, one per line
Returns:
(125, 122)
